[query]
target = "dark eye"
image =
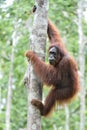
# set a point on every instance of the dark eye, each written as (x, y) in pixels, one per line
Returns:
(54, 53)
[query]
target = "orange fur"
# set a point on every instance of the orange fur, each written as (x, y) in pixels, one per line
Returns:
(63, 78)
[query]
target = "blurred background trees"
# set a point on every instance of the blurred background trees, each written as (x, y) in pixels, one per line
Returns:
(71, 20)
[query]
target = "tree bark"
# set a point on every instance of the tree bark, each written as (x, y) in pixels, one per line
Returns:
(10, 80)
(9, 95)
(67, 117)
(37, 44)
(81, 65)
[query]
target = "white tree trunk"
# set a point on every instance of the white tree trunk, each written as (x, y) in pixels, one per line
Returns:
(37, 44)
(54, 127)
(9, 94)
(10, 82)
(67, 117)
(81, 65)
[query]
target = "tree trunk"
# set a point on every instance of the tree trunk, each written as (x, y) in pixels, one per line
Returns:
(67, 117)
(9, 94)
(81, 65)
(37, 44)
(10, 82)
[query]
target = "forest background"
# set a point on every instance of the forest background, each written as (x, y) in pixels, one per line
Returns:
(15, 27)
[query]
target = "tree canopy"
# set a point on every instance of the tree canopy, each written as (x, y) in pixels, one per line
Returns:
(18, 17)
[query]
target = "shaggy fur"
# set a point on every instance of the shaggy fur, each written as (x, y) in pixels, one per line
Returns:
(63, 78)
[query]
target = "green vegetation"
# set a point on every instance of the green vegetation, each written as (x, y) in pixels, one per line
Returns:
(63, 14)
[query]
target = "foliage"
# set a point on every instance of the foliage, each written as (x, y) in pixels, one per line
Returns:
(63, 14)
